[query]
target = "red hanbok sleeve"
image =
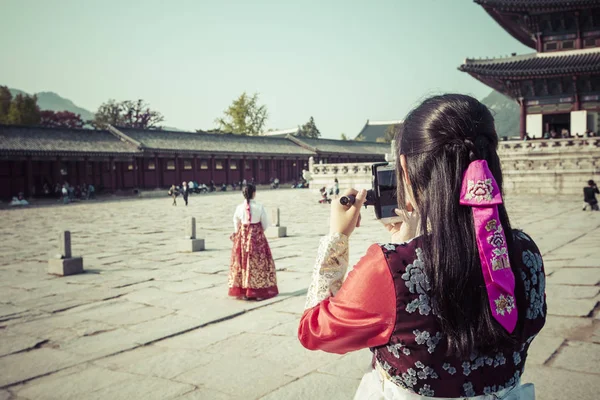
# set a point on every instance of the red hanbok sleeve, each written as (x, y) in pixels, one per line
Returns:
(362, 314)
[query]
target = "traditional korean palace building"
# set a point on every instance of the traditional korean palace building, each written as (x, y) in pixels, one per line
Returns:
(123, 159)
(558, 86)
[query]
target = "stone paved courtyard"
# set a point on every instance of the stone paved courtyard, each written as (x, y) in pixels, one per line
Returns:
(146, 322)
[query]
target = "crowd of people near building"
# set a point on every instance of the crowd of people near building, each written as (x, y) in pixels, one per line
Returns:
(193, 187)
(65, 193)
(563, 134)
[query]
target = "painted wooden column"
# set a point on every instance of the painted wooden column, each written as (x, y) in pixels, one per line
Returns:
(578, 41)
(77, 173)
(259, 172)
(140, 172)
(29, 183)
(178, 169)
(86, 171)
(111, 167)
(523, 119)
(156, 171)
(94, 163)
(56, 171)
(195, 166)
(228, 171)
(135, 172)
(212, 168)
(243, 169)
(577, 105)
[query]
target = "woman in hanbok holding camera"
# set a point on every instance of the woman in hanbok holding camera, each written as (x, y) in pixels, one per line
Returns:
(450, 307)
(252, 271)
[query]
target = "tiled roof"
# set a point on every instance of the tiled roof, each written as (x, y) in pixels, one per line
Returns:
(538, 4)
(29, 139)
(374, 130)
(346, 146)
(537, 64)
(213, 143)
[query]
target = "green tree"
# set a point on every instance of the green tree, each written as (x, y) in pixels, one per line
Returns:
(344, 137)
(309, 130)
(391, 133)
(244, 116)
(24, 110)
(5, 100)
(127, 114)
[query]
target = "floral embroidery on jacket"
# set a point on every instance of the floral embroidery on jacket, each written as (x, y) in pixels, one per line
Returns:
(468, 388)
(417, 282)
(536, 298)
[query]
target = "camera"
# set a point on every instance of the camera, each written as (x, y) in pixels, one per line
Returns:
(382, 196)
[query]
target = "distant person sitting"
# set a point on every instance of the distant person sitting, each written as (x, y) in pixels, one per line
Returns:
(589, 196)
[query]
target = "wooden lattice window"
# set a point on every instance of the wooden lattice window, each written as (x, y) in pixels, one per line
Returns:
(187, 164)
(170, 165)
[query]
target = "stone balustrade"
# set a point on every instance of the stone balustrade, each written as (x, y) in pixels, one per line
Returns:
(546, 167)
(571, 144)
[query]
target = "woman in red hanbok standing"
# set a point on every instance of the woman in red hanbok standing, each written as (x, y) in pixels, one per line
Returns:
(252, 270)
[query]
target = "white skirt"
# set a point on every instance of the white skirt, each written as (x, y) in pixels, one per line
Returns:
(374, 386)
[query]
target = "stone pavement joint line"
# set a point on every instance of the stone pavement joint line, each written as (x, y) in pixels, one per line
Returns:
(146, 321)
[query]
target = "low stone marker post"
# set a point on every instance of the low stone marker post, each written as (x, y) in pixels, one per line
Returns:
(191, 244)
(64, 263)
(276, 222)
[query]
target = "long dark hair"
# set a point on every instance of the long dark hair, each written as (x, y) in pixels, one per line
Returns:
(248, 191)
(439, 139)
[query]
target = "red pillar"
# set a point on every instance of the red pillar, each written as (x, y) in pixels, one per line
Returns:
(156, 171)
(111, 167)
(212, 168)
(86, 171)
(135, 172)
(178, 169)
(228, 171)
(259, 172)
(94, 173)
(195, 166)
(523, 115)
(29, 185)
(243, 168)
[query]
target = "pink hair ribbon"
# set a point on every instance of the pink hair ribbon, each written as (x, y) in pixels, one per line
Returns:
(480, 191)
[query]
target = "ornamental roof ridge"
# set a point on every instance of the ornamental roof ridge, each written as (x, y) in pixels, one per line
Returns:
(390, 122)
(501, 59)
(279, 132)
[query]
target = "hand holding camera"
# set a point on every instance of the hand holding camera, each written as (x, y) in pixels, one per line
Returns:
(345, 218)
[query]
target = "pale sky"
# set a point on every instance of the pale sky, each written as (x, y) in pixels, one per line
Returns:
(340, 61)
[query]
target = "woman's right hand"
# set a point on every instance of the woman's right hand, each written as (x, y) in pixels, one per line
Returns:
(406, 229)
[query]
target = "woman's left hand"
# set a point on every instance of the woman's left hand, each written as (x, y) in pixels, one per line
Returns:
(344, 219)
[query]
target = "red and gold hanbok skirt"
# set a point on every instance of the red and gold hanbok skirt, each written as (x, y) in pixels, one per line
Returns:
(252, 271)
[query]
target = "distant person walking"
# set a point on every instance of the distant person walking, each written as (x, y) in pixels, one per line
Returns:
(173, 193)
(185, 192)
(589, 196)
(252, 271)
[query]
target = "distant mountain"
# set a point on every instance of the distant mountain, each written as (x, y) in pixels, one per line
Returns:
(52, 101)
(506, 113)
